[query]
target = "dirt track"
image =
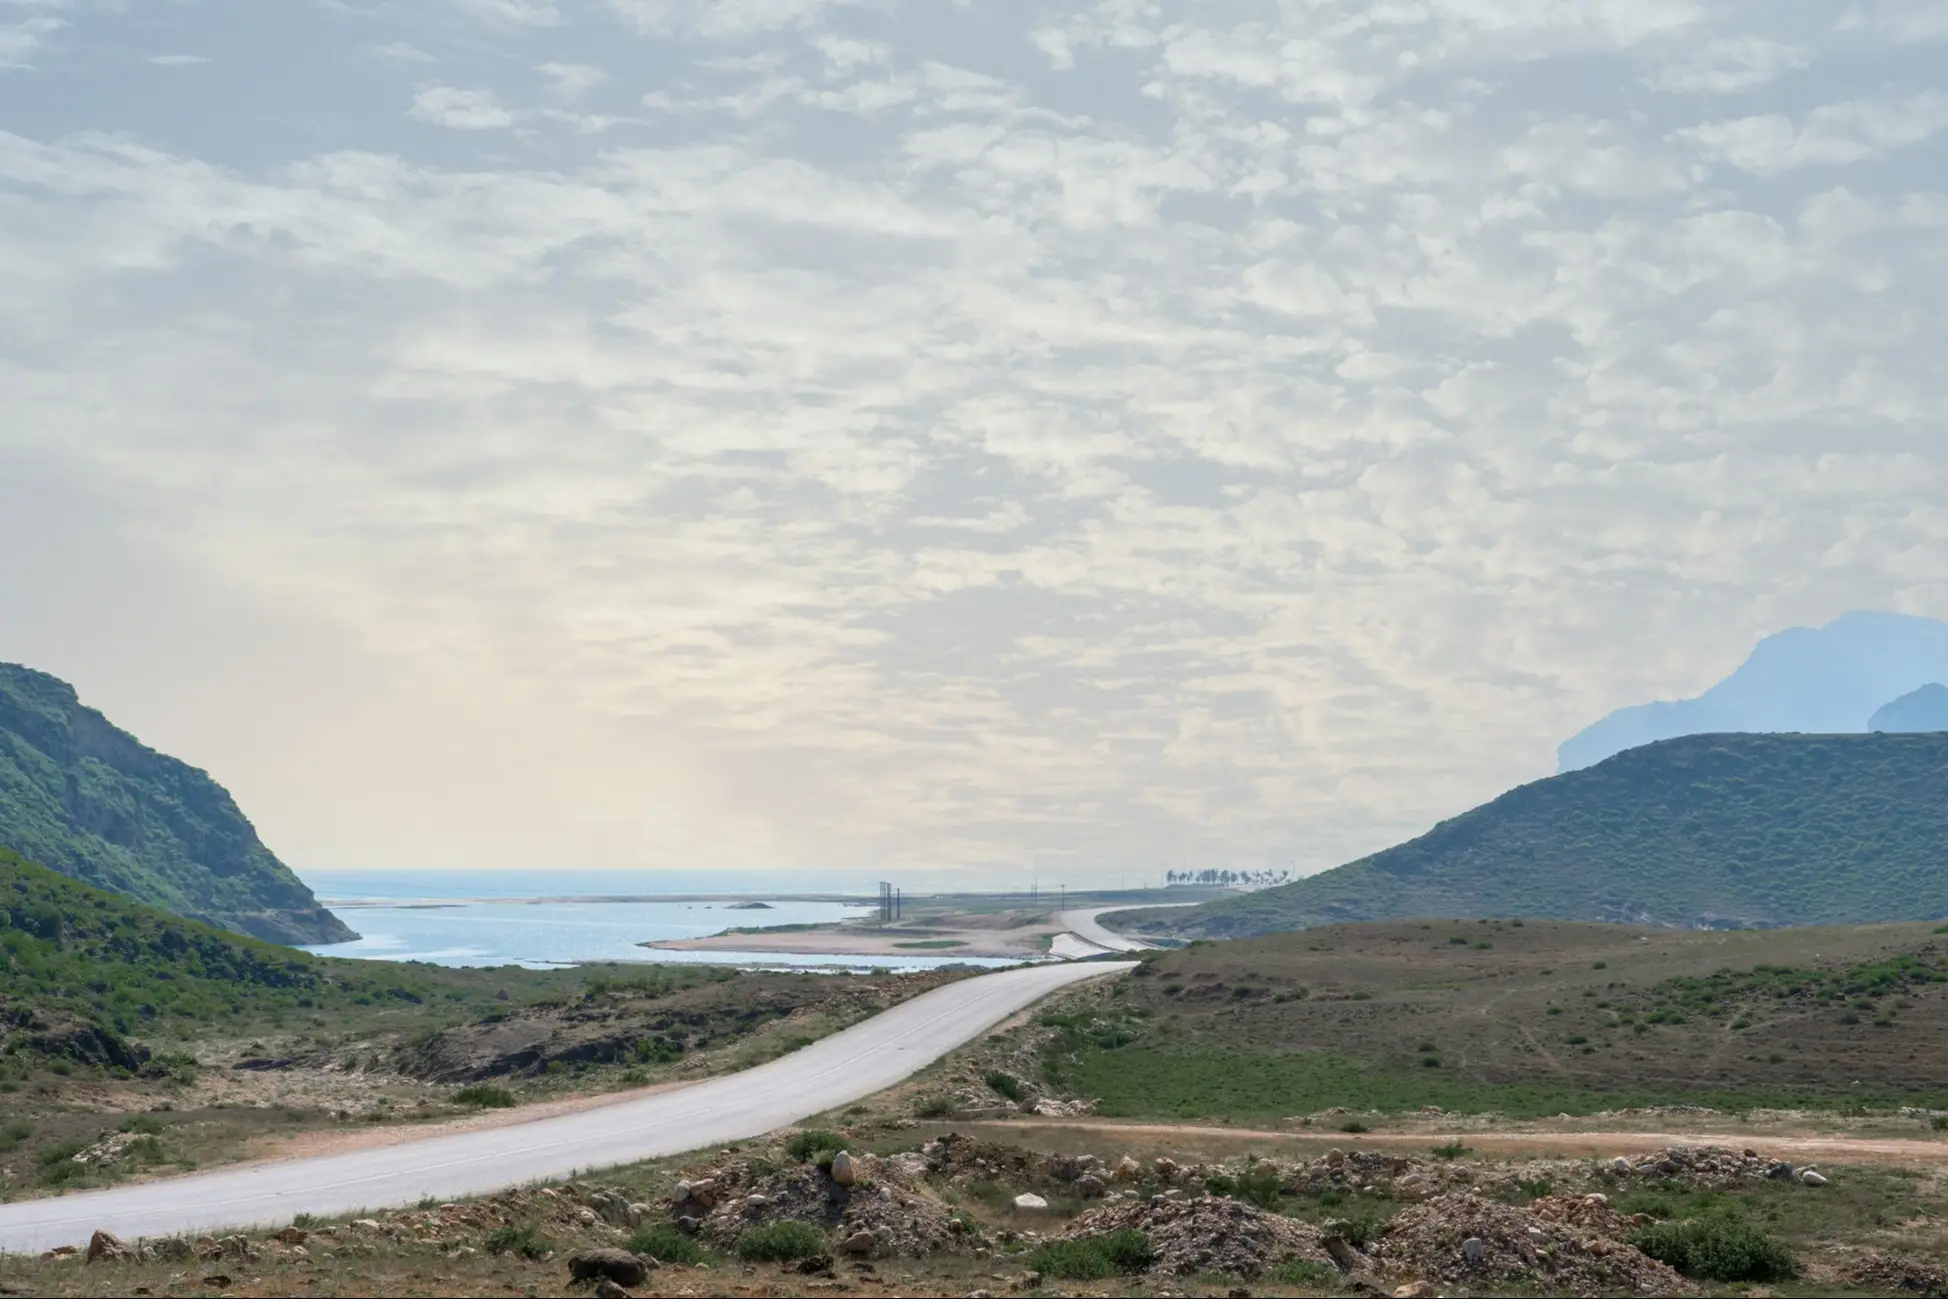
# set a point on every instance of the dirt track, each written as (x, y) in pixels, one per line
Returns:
(1896, 1151)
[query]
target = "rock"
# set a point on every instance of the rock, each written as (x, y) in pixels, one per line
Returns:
(615, 1210)
(1474, 1250)
(293, 1236)
(1167, 1169)
(1415, 1290)
(1537, 1236)
(1126, 1170)
(1781, 1172)
(861, 1244)
(607, 1289)
(173, 1249)
(106, 1246)
(844, 1170)
(619, 1266)
(1620, 1166)
(1335, 1158)
(1028, 1201)
(1597, 1200)
(1810, 1178)
(1344, 1256)
(641, 1213)
(1090, 1187)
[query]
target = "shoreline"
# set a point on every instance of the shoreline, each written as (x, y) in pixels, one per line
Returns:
(983, 944)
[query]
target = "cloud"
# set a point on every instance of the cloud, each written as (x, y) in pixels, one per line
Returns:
(401, 52)
(518, 13)
(1148, 434)
(572, 80)
(21, 38)
(176, 60)
(463, 110)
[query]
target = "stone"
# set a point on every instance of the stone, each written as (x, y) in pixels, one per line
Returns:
(1028, 1201)
(619, 1266)
(1127, 1170)
(1597, 1200)
(861, 1244)
(1781, 1172)
(1090, 1187)
(173, 1249)
(607, 1289)
(845, 1171)
(1810, 1178)
(293, 1236)
(1474, 1249)
(105, 1246)
(1620, 1166)
(1415, 1290)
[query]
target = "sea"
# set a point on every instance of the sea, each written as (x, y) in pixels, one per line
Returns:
(550, 919)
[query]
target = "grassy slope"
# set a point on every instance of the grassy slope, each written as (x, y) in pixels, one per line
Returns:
(88, 800)
(1745, 829)
(1520, 1018)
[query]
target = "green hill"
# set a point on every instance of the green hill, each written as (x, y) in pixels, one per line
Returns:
(1707, 830)
(86, 967)
(90, 801)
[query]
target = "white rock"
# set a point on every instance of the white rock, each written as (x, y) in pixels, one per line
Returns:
(1028, 1200)
(1620, 1165)
(1811, 1178)
(844, 1171)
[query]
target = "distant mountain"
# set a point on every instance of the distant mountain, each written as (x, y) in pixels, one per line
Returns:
(1823, 681)
(1707, 830)
(1924, 710)
(91, 802)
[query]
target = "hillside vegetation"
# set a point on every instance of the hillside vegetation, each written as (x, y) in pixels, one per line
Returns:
(1704, 831)
(90, 801)
(1520, 1018)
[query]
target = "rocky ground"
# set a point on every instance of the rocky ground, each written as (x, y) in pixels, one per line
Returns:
(901, 1209)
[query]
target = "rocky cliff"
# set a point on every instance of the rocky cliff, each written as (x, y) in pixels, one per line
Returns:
(90, 801)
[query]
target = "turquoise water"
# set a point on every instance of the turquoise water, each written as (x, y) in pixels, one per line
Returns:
(546, 918)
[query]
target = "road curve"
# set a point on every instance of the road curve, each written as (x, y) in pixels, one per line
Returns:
(1084, 925)
(836, 1071)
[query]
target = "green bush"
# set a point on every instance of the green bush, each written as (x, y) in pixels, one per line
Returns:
(812, 1142)
(1119, 1253)
(937, 1107)
(525, 1240)
(1452, 1150)
(485, 1096)
(1716, 1248)
(781, 1242)
(64, 1152)
(1257, 1185)
(1004, 1084)
(13, 1134)
(146, 1124)
(664, 1243)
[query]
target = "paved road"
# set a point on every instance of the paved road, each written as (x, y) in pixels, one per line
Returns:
(1083, 925)
(864, 1059)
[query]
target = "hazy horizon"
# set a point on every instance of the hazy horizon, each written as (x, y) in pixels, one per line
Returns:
(696, 434)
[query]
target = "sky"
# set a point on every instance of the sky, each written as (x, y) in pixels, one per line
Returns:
(1082, 438)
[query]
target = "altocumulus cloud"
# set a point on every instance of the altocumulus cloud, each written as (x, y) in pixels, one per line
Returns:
(1104, 434)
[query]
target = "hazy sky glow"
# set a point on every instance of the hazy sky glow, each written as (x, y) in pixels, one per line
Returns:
(796, 432)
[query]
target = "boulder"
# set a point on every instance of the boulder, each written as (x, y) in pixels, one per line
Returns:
(619, 1266)
(293, 1236)
(845, 1171)
(1620, 1166)
(607, 1289)
(1808, 1177)
(1028, 1201)
(1090, 1187)
(861, 1244)
(1415, 1290)
(1127, 1170)
(1474, 1249)
(106, 1247)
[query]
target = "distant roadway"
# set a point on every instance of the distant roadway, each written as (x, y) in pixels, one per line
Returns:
(1084, 925)
(835, 1071)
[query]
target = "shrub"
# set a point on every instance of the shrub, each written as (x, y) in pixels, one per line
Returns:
(1362, 1229)
(147, 1125)
(1258, 1185)
(1939, 1122)
(664, 1243)
(1355, 1126)
(1119, 1253)
(1452, 1150)
(781, 1242)
(485, 1096)
(937, 1107)
(13, 1134)
(1716, 1248)
(1004, 1084)
(812, 1142)
(525, 1240)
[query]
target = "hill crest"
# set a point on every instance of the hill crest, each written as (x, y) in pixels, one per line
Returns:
(87, 799)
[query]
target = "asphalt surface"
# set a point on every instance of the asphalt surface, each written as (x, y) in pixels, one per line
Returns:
(1083, 925)
(836, 1071)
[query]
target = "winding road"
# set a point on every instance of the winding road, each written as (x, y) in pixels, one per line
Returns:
(1085, 926)
(836, 1071)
